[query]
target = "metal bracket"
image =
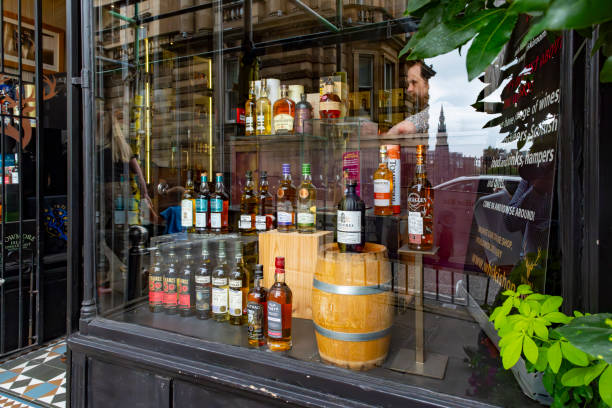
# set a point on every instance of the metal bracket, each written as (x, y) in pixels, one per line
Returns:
(76, 81)
(85, 78)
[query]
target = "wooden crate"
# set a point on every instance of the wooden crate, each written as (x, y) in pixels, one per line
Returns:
(301, 253)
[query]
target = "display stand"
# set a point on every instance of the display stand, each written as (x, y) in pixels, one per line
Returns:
(417, 361)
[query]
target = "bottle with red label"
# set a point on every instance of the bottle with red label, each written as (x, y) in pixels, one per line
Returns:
(420, 207)
(171, 272)
(278, 304)
(156, 283)
(383, 186)
(185, 286)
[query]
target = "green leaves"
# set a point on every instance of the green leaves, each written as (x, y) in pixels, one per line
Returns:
(605, 386)
(575, 356)
(447, 36)
(606, 71)
(555, 357)
(512, 352)
(551, 304)
(530, 349)
(414, 5)
(590, 334)
(582, 376)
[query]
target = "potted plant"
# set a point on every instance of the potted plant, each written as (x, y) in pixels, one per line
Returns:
(574, 354)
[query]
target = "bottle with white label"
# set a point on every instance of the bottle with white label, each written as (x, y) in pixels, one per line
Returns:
(350, 227)
(264, 220)
(263, 122)
(250, 111)
(203, 285)
(188, 205)
(220, 287)
(383, 186)
(202, 206)
(286, 202)
(306, 203)
(284, 113)
(238, 289)
(248, 207)
(15, 172)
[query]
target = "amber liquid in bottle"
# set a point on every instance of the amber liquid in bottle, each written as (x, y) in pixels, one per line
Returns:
(383, 186)
(263, 114)
(250, 112)
(257, 312)
(238, 289)
(286, 202)
(329, 102)
(284, 113)
(219, 208)
(279, 310)
(420, 207)
(248, 207)
(264, 220)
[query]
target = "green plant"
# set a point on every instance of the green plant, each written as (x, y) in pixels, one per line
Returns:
(449, 24)
(574, 353)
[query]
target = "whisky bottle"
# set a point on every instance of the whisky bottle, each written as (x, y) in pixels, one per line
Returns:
(156, 283)
(420, 207)
(284, 113)
(256, 310)
(264, 220)
(238, 289)
(306, 203)
(170, 277)
(185, 296)
(303, 116)
(263, 125)
(249, 112)
(279, 310)
(220, 287)
(350, 228)
(188, 205)
(286, 202)
(219, 207)
(202, 206)
(248, 207)
(329, 102)
(203, 284)
(383, 186)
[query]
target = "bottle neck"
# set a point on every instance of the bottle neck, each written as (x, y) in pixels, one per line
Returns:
(284, 93)
(280, 275)
(249, 185)
(420, 170)
(286, 176)
(263, 186)
(383, 159)
(307, 177)
(328, 89)
(258, 281)
(219, 187)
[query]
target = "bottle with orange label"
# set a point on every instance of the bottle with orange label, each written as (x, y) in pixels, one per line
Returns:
(383, 186)
(307, 203)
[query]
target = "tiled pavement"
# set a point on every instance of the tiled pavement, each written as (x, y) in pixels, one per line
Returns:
(35, 379)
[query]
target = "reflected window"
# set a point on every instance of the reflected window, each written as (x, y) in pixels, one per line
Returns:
(231, 94)
(366, 85)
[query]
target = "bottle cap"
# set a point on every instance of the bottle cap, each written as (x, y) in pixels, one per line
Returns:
(204, 178)
(219, 177)
(305, 168)
(286, 168)
(259, 270)
(264, 174)
(249, 174)
(279, 262)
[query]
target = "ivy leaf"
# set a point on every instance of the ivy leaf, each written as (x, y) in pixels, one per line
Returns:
(512, 352)
(555, 357)
(530, 349)
(575, 356)
(606, 71)
(489, 42)
(447, 36)
(551, 304)
(605, 386)
(414, 5)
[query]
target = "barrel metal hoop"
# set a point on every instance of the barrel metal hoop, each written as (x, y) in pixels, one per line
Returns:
(335, 335)
(351, 290)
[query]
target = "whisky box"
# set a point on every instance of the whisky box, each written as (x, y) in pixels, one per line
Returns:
(301, 253)
(394, 164)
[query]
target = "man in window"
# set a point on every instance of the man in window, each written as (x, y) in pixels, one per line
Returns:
(417, 88)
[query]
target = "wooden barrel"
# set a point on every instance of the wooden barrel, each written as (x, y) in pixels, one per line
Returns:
(351, 306)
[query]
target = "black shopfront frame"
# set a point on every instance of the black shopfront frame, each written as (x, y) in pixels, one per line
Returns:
(114, 362)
